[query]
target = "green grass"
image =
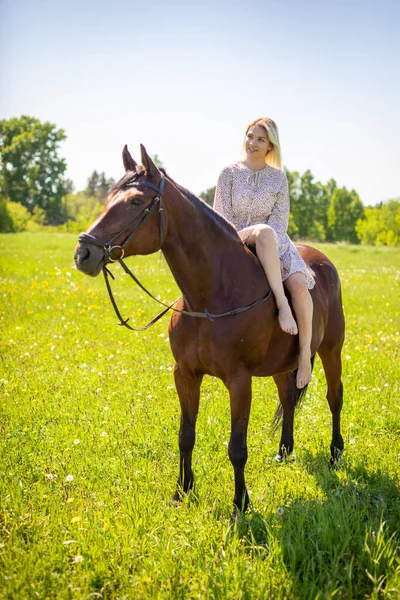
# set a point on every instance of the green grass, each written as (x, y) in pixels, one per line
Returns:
(82, 397)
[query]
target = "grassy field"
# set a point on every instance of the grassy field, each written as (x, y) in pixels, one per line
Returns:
(89, 456)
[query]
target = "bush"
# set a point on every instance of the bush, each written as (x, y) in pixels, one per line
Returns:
(6, 222)
(20, 216)
(381, 225)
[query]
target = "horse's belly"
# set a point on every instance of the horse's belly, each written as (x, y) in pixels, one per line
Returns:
(222, 351)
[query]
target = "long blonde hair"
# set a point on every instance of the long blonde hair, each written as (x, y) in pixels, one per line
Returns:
(274, 156)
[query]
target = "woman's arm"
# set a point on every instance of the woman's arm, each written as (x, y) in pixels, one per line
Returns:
(223, 194)
(279, 217)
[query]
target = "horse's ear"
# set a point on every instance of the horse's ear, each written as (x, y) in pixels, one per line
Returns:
(147, 163)
(129, 163)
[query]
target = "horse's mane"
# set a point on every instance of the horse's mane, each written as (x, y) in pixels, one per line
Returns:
(203, 207)
(200, 205)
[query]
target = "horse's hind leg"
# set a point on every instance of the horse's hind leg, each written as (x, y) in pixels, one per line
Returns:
(288, 396)
(332, 363)
(188, 388)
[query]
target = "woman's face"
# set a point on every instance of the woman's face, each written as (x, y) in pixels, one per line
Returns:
(257, 143)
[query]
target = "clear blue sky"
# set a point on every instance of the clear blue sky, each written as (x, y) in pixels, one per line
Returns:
(185, 78)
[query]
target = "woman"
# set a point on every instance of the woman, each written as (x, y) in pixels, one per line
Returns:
(253, 195)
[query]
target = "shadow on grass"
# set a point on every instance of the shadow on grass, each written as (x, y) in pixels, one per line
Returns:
(343, 544)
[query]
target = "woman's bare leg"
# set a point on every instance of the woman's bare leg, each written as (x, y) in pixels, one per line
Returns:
(262, 237)
(303, 308)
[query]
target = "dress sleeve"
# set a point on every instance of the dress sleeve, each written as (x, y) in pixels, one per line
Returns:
(279, 217)
(223, 194)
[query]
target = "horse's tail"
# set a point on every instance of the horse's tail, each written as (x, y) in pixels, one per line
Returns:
(276, 421)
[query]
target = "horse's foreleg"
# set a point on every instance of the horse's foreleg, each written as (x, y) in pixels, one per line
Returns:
(240, 396)
(188, 388)
(332, 363)
(288, 396)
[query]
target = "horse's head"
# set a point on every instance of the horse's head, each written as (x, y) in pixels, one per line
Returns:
(131, 223)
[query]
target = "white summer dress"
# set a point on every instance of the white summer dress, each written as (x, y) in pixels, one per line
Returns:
(247, 198)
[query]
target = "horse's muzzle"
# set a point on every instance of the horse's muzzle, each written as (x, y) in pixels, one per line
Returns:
(89, 259)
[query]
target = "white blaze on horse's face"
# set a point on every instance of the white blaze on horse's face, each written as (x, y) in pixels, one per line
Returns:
(131, 198)
(257, 143)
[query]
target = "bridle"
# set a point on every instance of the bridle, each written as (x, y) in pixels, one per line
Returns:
(137, 223)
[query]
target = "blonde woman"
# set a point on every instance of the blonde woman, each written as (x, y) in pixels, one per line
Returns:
(253, 195)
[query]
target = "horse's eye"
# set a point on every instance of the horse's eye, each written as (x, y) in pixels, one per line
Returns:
(136, 201)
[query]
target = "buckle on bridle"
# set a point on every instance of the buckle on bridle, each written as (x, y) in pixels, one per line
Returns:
(109, 251)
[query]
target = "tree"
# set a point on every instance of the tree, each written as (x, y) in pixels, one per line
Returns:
(81, 210)
(6, 222)
(158, 162)
(380, 225)
(308, 206)
(208, 196)
(344, 211)
(325, 201)
(31, 171)
(98, 186)
(68, 186)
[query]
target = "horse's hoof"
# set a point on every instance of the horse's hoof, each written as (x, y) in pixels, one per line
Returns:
(280, 458)
(176, 500)
(237, 515)
(336, 459)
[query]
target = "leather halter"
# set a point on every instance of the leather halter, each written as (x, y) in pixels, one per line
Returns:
(138, 222)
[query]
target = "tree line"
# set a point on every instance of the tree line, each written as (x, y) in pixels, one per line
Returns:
(34, 193)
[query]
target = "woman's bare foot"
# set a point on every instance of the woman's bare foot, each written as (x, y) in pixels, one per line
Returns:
(303, 371)
(286, 320)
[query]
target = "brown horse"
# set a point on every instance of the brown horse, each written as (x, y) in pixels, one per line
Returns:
(217, 274)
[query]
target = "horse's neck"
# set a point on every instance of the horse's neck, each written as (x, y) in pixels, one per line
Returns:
(206, 258)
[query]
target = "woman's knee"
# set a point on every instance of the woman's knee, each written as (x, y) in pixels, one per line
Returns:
(264, 234)
(297, 285)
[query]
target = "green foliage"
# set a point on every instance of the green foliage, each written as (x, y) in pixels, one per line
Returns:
(293, 230)
(380, 225)
(6, 223)
(208, 196)
(81, 396)
(99, 186)
(158, 162)
(15, 217)
(309, 204)
(80, 210)
(19, 215)
(31, 171)
(309, 201)
(39, 215)
(344, 211)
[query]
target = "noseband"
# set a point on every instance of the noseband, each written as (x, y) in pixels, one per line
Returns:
(137, 223)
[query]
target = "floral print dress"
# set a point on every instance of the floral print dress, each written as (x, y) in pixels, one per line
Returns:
(247, 198)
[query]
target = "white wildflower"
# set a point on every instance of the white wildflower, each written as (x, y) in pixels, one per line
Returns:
(78, 559)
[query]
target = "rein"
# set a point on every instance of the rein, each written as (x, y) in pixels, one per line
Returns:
(138, 222)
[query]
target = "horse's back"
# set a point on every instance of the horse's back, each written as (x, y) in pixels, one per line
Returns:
(254, 337)
(323, 269)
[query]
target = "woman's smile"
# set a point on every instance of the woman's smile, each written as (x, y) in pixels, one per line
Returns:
(257, 142)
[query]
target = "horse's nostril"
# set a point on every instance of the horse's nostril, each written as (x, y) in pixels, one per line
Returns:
(85, 254)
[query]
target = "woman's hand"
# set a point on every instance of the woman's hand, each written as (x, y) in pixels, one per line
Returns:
(244, 234)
